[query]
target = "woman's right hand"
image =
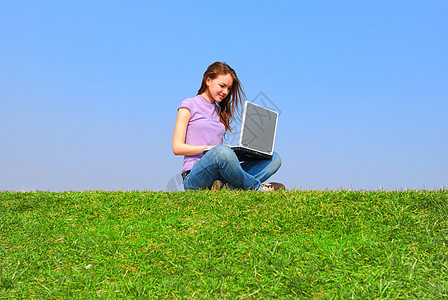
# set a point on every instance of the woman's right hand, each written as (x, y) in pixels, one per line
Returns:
(180, 132)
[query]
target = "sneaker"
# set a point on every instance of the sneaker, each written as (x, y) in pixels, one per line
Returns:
(217, 185)
(272, 186)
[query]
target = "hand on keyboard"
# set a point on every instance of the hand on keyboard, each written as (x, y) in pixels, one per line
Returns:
(207, 148)
(210, 147)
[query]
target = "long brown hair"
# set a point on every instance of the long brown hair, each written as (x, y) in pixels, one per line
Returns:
(234, 99)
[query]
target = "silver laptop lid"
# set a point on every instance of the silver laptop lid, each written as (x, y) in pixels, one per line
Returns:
(258, 128)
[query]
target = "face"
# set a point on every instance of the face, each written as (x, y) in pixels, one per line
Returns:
(219, 87)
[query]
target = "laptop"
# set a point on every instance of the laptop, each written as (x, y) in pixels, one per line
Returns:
(257, 135)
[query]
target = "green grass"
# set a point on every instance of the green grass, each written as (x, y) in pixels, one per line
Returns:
(228, 244)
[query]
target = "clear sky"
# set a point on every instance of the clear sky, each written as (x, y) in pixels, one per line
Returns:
(89, 89)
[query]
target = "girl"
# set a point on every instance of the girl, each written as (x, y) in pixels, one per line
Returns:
(201, 124)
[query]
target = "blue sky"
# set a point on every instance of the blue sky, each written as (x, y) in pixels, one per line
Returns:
(90, 89)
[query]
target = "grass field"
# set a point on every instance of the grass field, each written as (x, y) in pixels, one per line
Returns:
(227, 244)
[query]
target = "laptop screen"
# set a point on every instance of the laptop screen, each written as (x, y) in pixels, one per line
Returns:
(258, 128)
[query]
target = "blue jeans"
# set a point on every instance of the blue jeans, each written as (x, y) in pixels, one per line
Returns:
(221, 163)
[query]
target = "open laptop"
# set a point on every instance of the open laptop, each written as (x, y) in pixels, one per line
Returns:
(257, 135)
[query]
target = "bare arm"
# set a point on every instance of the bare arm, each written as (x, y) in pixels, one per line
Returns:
(180, 132)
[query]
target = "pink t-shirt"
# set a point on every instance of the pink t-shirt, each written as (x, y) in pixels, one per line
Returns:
(204, 128)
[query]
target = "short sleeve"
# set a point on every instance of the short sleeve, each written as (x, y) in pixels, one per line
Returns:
(188, 103)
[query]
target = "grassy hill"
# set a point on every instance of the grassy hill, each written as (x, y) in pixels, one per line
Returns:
(227, 244)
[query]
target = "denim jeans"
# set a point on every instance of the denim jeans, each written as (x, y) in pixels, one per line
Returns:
(221, 163)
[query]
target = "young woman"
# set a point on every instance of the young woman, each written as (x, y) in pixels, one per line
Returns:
(201, 124)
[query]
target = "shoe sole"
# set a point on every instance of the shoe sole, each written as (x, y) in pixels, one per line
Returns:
(217, 185)
(277, 186)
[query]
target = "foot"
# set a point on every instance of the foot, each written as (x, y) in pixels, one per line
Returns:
(217, 185)
(272, 186)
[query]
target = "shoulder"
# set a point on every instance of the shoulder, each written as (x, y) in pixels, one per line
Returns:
(189, 103)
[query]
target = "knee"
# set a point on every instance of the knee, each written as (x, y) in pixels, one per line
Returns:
(224, 153)
(276, 159)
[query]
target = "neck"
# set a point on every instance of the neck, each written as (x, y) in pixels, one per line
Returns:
(207, 96)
